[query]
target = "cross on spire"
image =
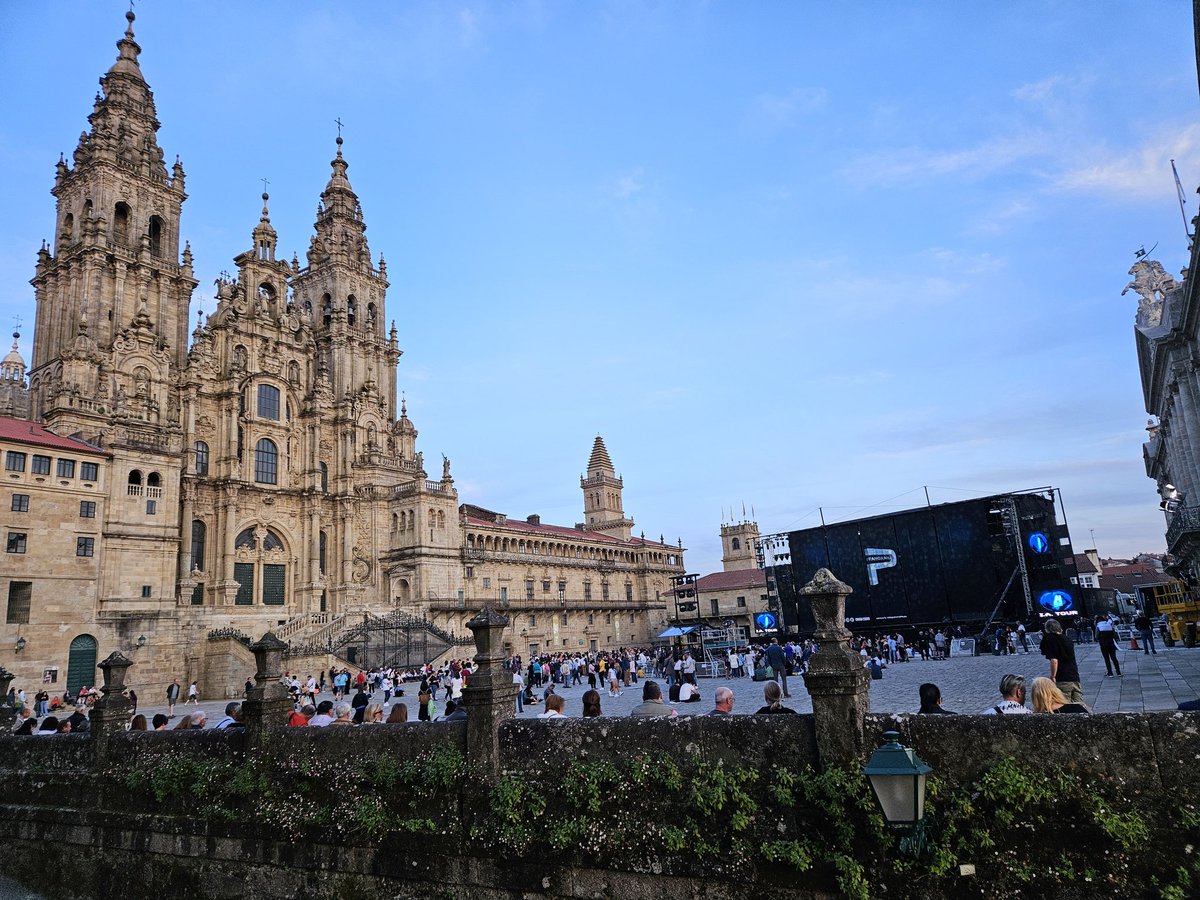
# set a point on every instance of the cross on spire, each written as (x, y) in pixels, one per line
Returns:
(338, 120)
(265, 183)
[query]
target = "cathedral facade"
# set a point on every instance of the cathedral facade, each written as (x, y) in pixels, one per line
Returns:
(259, 473)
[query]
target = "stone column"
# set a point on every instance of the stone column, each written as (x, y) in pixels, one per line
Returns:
(268, 704)
(111, 712)
(7, 713)
(490, 693)
(836, 679)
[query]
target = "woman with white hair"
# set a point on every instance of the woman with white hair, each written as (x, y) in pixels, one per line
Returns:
(343, 714)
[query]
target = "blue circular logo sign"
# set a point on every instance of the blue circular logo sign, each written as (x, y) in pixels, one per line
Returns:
(1056, 601)
(1039, 543)
(766, 621)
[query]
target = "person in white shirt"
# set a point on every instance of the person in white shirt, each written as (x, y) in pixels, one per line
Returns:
(689, 693)
(1012, 692)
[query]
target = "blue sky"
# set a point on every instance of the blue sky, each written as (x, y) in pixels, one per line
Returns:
(786, 255)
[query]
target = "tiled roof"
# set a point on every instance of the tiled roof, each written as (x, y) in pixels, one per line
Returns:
(724, 581)
(32, 433)
(562, 531)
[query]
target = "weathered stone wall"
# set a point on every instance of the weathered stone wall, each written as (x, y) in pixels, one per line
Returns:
(70, 798)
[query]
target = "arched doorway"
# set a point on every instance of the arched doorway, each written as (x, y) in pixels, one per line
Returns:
(81, 663)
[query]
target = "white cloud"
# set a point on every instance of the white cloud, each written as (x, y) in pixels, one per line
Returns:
(1141, 173)
(977, 162)
(778, 111)
(627, 184)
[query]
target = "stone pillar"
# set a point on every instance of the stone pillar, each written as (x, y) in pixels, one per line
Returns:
(268, 704)
(111, 712)
(7, 713)
(490, 693)
(836, 679)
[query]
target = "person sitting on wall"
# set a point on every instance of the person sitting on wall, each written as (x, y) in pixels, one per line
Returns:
(876, 665)
(773, 695)
(652, 703)
(298, 718)
(199, 719)
(1012, 693)
(931, 700)
(554, 707)
(159, 722)
(323, 717)
(1047, 698)
(459, 711)
(26, 722)
(528, 697)
(79, 721)
(233, 716)
(343, 714)
(722, 702)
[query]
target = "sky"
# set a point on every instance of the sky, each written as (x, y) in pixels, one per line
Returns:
(791, 257)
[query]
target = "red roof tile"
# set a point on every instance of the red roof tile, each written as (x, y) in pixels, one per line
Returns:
(32, 433)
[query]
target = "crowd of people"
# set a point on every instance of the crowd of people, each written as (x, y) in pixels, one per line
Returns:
(374, 696)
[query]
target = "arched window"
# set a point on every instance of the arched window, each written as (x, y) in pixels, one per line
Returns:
(351, 309)
(155, 232)
(266, 462)
(201, 458)
(372, 315)
(321, 554)
(324, 478)
(68, 231)
(121, 222)
(199, 536)
(268, 402)
(327, 309)
(736, 544)
(153, 480)
(135, 477)
(87, 209)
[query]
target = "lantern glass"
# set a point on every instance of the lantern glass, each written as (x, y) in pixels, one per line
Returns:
(897, 797)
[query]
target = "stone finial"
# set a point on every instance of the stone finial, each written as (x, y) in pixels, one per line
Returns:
(827, 598)
(114, 668)
(489, 694)
(836, 680)
(268, 658)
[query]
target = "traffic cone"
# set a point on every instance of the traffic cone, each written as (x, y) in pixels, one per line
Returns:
(1133, 644)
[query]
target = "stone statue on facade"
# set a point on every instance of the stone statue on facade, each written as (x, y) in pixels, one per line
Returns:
(1151, 282)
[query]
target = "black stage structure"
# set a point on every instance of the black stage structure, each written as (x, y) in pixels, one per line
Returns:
(1003, 558)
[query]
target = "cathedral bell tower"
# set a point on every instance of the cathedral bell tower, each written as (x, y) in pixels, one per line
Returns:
(602, 489)
(345, 294)
(112, 290)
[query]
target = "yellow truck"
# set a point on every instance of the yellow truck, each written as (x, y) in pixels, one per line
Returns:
(1181, 607)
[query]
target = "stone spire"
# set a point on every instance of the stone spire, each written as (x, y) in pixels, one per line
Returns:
(341, 232)
(264, 234)
(602, 489)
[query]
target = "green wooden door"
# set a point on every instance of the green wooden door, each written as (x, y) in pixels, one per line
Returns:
(243, 574)
(81, 663)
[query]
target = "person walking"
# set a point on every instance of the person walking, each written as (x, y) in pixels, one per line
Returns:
(1106, 637)
(193, 695)
(1146, 633)
(172, 697)
(1064, 671)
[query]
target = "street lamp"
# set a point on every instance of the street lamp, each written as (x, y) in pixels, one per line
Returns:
(897, 777)
(20, 644)
(141, 641)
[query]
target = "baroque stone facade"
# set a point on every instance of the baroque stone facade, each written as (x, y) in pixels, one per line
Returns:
(259, 471)
(1168, 346)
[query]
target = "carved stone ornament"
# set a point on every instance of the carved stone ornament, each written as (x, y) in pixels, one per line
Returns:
(361, 567)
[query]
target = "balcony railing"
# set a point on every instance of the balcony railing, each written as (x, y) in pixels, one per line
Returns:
(553, 605)
(1184, 520)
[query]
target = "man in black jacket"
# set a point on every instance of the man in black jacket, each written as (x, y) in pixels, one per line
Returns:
(931, 700)
(1063, 669)
(778, 663)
